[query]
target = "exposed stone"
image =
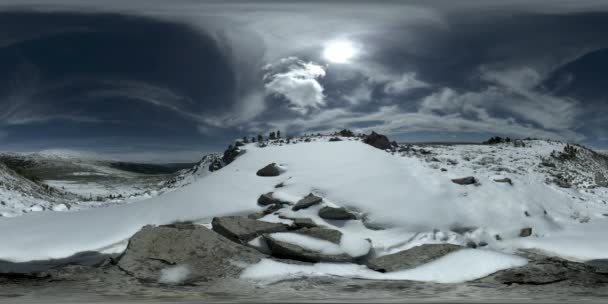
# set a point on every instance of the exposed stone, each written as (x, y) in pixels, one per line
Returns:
(525, 232)
(269, 170)
(268, 199)
(504, 180)
(204, 253)
(411, 258)
(242, 230)
(304, 223)
(544, 270)
(378, 141)
(306, 202)
(330, 213)
(287, 250)
(470, 180)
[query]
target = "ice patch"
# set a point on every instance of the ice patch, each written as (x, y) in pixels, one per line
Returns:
(174, 275)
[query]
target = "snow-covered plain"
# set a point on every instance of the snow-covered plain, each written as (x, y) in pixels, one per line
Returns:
(408, 195)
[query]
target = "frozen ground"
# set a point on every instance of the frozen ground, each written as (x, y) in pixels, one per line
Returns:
(404, 198)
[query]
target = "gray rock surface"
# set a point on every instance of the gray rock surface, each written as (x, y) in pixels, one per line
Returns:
(411, 258)
(309, 200)
(304, 223)
(544, 270)
(242, 229)
(204, 253)
(287, 250)
(330, 213)
(469, 180)
(269, 170)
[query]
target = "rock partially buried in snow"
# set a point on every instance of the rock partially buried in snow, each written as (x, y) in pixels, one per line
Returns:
(317, 245)
(504, 180)
(269, 171)
(469, 180)
(525, 232)
(378, 141)
(411, 258)
(242, 229)
(154, 253)
(330, 213)
(268, 199)
(309, 200)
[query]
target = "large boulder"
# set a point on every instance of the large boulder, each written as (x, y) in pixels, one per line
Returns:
(331, 213)
(242, 229)
(544, 270)
(469, 180)
(411, 258)
(172, 255)
(307, 201)
(269, 171)
(282, 248)
(378, 141)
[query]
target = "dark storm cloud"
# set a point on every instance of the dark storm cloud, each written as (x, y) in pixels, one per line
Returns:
(215, 71)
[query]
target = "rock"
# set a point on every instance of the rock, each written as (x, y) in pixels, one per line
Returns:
(268, 199)
(304, 223)
(269, 170)
(411, 258)
(346, 133)
(600, 180)
(526, 232)
(204, 254)
(470, 180)
(330, 213)
(306, 202)
(378, 141)
(282, 249)
(504, 180)
(544, 270)
(242, 230)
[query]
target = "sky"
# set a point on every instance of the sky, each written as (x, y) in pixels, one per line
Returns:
(167, 81)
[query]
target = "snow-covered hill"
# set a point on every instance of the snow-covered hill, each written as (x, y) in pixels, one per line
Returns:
(522, 197)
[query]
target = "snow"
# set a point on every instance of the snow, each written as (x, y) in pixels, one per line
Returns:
(174, 275)
(348, 244)
(456, 267)
(406, 194)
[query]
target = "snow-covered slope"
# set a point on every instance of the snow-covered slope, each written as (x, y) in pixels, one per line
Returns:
(405, 191)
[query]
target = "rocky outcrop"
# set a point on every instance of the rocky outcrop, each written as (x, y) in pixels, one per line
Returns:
(411, 258)
(269, 171)
(309, 200)
(469, 180)
(330, 213)
(544, 270)
(201, 253)
(242, 229)
(378, 141)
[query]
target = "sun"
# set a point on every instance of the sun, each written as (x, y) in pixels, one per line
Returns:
(339, 51)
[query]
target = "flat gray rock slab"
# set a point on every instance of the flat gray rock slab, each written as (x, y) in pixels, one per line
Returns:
(205, 254)
(331, 213)
(309, 200)
(242, 229)
(411, 258)
(286, 250)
